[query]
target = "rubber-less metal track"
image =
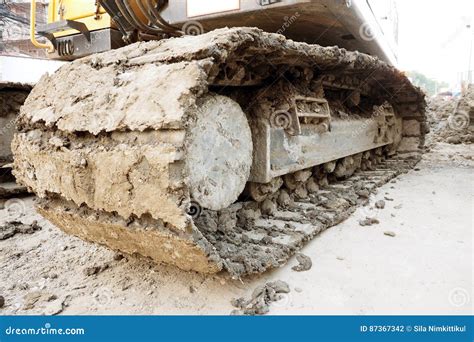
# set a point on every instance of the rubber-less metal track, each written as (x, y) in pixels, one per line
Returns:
(252, 242)
(106, 142)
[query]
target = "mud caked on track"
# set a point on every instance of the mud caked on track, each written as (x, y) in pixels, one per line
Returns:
(226, 150)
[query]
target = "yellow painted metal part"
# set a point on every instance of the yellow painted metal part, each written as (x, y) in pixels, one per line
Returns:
(48, 46)
(84, 11)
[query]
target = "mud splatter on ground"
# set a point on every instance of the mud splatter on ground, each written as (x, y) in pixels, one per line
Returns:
(261, 299)
(10, 229)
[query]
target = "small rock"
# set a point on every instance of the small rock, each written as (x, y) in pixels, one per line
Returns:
(298, 289)
(416, 169)
(89, 271)
(54, 308)
(339, 258)
(380, 204)
(12, 228)
(51, 297)
(279, 286)
(388, 198)
(305, 263)
(2, 302)
(261, 298)
(368, 221)
(389, 233)
(118, 256)
(192, 289)
(126, 286)
(237, 302)
(454, 140)
(31, 299)
(364, 193)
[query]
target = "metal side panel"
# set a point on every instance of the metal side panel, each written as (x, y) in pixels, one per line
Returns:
(76, 46)
(348, 24)
(285, 153)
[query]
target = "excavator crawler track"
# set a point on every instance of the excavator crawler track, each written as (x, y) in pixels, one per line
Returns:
(227, 150)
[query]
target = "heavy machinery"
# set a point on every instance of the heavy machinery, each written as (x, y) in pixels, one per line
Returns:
(17, 77)
(12, 96)
(197, 139)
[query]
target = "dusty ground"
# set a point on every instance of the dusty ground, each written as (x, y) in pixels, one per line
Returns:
(426, 268)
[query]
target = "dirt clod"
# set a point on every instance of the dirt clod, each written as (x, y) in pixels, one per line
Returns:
(305, 263)
(262, 297)
(368, 221)
(389, 233)
(268, 207)
(12, 228)
(363, 193)
(89, 271)
(380, 204)
(284, 199)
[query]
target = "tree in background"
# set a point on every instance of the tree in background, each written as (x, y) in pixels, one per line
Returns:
(429, 85)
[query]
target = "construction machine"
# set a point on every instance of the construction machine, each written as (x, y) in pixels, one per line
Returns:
(214, 135)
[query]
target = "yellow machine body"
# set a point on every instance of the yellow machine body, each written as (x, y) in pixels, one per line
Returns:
(85, 11)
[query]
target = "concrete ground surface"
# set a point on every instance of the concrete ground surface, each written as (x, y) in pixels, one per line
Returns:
(425, 268)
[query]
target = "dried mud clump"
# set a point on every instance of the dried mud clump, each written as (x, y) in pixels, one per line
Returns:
(262, 297)
(12, 228)
(452, 120)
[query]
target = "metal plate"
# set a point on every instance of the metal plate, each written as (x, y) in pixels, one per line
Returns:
(196, 8)
(100, 41)
(277, 153)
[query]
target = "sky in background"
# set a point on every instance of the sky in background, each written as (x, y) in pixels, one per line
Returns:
(433, 38)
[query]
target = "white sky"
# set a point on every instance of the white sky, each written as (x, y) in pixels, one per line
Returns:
(433, 37)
